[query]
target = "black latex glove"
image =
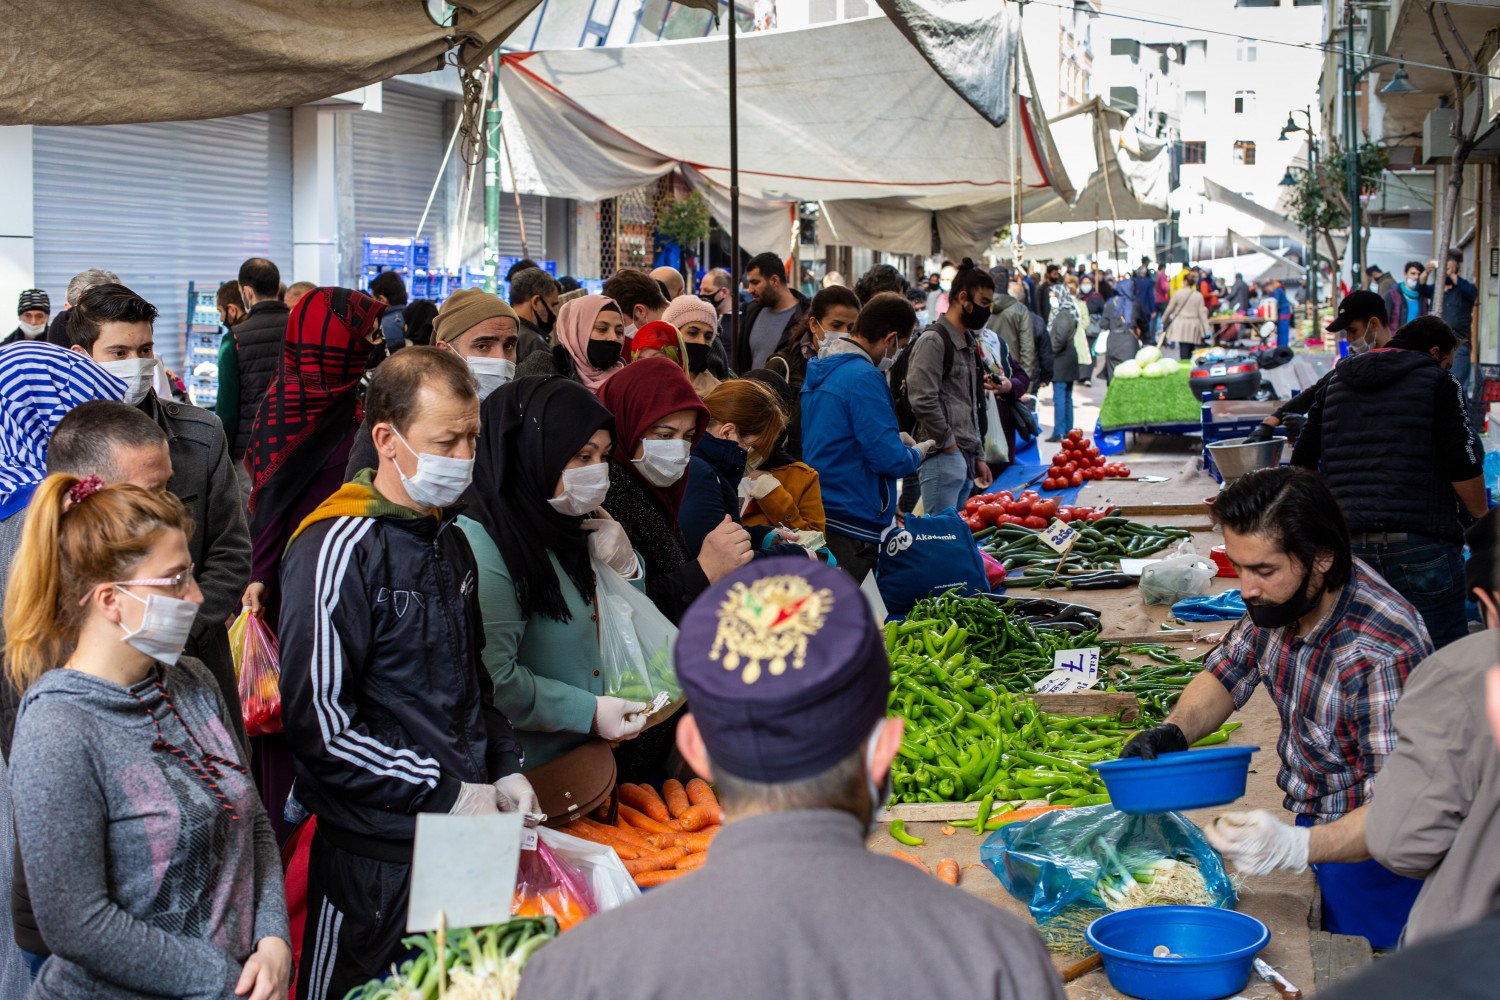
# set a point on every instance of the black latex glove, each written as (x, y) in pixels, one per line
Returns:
(1149, 743)
(1294, 423)
(1262, 432)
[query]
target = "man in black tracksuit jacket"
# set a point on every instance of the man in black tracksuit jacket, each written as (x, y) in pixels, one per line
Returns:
(1389, 433)
(386, 705)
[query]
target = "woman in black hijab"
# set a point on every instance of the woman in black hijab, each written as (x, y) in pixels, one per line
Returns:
(534, 522)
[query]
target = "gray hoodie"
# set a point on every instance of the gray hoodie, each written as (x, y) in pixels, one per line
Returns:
(152, 868)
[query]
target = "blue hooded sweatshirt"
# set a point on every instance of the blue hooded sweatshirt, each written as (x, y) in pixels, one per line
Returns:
(849, 435)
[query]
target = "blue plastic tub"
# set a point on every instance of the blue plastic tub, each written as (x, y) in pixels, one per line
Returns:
(1215, 948)
(1177, 781)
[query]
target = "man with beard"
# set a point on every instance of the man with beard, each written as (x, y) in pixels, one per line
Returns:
(1333, 643)
(776, 310)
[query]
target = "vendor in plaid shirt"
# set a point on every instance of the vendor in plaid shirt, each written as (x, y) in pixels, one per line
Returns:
(1333, 644)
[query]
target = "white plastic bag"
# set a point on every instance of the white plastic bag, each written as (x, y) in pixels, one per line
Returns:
(635, 642)
(871, 589)
(996, 441)
(611, 883)
(1185, 574)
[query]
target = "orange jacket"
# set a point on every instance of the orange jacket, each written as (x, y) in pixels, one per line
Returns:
(798, 503)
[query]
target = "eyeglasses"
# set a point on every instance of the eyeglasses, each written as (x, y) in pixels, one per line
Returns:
(178, 584)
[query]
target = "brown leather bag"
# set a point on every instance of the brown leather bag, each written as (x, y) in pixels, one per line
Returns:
(576, 783)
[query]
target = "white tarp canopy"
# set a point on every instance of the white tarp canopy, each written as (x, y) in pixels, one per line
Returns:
(1276, 225)
(1254, 266)
(1133, 181)
(603, 121)
(1098, 243)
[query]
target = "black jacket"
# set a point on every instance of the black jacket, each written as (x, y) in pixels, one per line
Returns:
(791, 364)
(741, 359)
(529, 341)
(257, 349)
(1390, 436)
(673, 578)
(386, 704)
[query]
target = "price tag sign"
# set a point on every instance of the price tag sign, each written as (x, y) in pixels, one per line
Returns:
(463, 871)
(1072, 670)
(1059, 536)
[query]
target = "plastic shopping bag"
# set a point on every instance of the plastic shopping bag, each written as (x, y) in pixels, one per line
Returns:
(996, 441)
(635, 643)
(1186, 574)
(1097, 857)
(548, 885)
(257, 661)
(608, 880)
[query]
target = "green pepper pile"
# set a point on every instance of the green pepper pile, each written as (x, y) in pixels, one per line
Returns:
(1093, 561)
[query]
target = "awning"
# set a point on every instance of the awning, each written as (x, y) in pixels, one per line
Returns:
(1236, 240)
(1274, 223)
(603, 121)
(1133, 181)
(1084, 245)
(95, 62)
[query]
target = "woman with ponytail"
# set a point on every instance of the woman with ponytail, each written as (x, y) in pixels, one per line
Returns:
(153, 869)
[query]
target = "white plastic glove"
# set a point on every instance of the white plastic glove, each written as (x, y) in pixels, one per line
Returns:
(1258, 842)
(762, 485)
(609, 544)
(517, 795)
(908, 440)
(926, 448)
(618, 719)
(475, 800)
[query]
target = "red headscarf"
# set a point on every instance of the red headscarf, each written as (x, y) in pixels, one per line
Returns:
(639, 395)
(314, 400)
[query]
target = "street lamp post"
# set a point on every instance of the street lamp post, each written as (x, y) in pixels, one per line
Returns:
(1311, 253)
(1351, 148)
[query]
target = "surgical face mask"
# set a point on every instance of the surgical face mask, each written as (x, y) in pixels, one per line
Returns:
(164, 627)
(662, 463)
(886, 363)
(879, 796)
(33, 329)
(583, 489)
(697, 357)
(545, 326)
(1085, 288)
(975, 316)
(604, 354)
(137, 374)
(1411, 283)
(1288, 612)
(439, 481)
(491, 373)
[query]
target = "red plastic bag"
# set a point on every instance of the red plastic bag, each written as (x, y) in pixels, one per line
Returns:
(548, 884)
(258, 657)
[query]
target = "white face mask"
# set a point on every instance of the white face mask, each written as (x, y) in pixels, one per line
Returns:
(491, 373)
(137, 374)
(1411, 282)
(662, 463)
(439, 481)
(879, 796)
(164, 628)
(33, 329)
(583, 490)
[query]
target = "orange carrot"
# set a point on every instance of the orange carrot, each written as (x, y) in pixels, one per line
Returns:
(690, 862)
(675, 796)
(609, 837)
(644, 798)
(701, 793)
(648, 879)
(911, 859)
(697, 817)
(696, 843)
(642, 822)
(656, 862)
(947, 870)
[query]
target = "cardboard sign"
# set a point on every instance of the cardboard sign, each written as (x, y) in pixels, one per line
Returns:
(1059, 536)
(463, 870)
(1072, 670)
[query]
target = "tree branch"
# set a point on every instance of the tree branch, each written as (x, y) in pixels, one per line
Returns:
(1469, 132)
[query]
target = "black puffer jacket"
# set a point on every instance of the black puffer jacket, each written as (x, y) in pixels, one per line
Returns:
(257, 349)
(386, 704)
(673, 578)
(1389, 433)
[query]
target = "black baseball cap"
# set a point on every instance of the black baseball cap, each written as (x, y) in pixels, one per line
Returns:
(1363, 304)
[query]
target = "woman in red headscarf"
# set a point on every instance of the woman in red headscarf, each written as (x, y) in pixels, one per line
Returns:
(658, 420)
(298, 447)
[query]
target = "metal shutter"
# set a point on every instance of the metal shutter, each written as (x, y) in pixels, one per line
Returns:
(163, 204)
(396, 157)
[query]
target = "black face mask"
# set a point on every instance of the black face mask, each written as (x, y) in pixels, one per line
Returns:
(712, 298)
(1288, 612)
(603, 354)
(697, 358)
(975, 316)
(544, 326)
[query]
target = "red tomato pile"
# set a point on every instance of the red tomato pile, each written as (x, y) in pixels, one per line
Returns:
(1077, 462)
(1028, 510)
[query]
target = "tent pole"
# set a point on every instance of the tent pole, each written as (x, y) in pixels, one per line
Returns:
(734, 187)
(492, 180)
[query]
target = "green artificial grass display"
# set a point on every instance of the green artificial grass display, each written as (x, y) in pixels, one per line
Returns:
(1139, 402)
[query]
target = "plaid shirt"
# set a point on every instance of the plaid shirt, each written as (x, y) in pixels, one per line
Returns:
(1336, 690)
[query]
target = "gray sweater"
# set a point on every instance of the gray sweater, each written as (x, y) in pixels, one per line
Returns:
(144, 883)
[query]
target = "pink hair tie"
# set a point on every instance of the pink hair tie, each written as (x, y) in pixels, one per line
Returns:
(83, 489)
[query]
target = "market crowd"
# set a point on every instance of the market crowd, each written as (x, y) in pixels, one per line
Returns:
(422, 501)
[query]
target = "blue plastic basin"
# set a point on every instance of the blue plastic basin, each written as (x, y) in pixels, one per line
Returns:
(1176, 781)
(1216, 947)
